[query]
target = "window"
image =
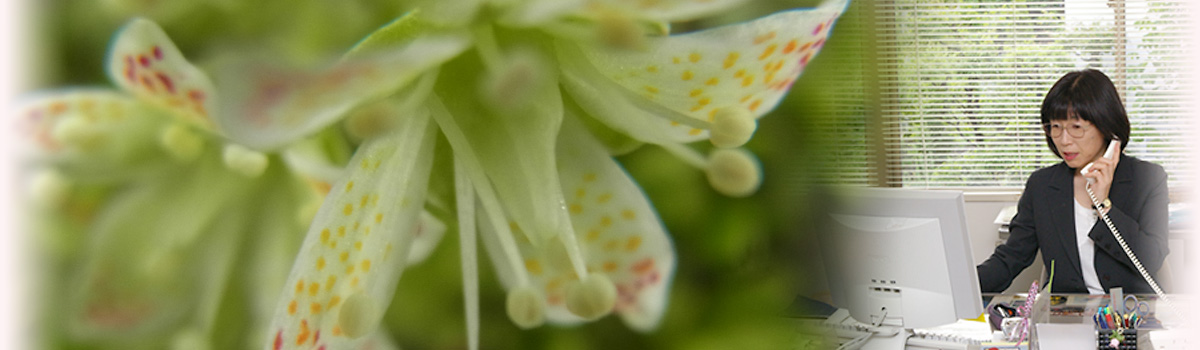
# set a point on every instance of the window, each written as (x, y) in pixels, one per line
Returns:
(949, 91)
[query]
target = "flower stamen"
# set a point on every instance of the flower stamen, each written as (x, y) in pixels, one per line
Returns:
(244, 161)
(470, 268)
(183, 144)
(78, 133)
(572, 245)
(732, 127)
(733, 172)
(49, 188)
(525, 307)
(515, 84)
(358, 316)
(686, 154)
(619, 30)
(592, 297)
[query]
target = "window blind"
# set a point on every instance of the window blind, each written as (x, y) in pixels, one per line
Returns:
(951, 89)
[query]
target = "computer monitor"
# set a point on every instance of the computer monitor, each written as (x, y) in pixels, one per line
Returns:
(900, 257)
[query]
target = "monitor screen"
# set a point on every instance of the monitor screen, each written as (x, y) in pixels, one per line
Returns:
(900, 257)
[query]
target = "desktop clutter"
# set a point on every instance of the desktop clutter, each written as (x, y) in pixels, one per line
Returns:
(1013, 324)
(1116, 325)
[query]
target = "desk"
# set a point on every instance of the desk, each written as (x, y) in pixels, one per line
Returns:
(1065, 312)
(1068, 310)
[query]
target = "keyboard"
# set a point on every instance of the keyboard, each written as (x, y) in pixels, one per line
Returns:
(840, 329)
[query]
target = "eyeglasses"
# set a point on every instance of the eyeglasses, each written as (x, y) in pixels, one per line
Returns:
(1055, 129)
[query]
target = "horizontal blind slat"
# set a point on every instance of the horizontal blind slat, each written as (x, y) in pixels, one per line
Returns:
(960, 86)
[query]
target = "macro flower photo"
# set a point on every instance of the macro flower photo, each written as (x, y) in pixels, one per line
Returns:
(504, 174)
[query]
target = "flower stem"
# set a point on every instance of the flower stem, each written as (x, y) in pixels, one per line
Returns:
(686, 154)
(488, 48)
(572, 246)
(466, 231)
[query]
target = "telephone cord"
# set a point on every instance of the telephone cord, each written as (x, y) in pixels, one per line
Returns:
(1128, 252)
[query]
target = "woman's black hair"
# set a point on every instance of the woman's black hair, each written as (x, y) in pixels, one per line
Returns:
(1089, 95)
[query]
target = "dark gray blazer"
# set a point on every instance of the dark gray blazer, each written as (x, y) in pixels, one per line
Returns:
(1046, 220)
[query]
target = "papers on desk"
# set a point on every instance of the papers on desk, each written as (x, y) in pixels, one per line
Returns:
(1173, 339)
(1005, 216)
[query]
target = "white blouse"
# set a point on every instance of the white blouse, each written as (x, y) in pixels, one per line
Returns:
(1085, 218)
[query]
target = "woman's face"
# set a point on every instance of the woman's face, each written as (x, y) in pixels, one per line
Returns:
(1077, 140)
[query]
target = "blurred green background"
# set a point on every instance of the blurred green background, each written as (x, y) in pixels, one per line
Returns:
(741, 262)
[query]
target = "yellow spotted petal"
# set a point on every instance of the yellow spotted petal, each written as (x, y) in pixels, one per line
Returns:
(621, 109)
(145, 62)
(83, 121)
(750, 65)
(358, 244)
(618, 233)
(267, 106)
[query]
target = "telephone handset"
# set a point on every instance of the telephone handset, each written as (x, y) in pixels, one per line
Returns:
(1113, 147)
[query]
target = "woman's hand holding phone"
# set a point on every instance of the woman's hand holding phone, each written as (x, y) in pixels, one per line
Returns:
(1100, 172)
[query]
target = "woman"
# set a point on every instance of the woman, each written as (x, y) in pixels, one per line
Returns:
(1081, 114)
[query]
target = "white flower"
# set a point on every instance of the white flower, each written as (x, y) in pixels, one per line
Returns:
(530, 97)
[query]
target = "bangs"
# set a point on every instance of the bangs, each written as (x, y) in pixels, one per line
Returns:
(1057, 110)
(1070, 104)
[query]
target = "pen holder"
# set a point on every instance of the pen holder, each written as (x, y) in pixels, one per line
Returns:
(1128, 339)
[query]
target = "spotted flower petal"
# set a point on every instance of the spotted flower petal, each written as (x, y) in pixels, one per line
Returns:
(618, 233)
(94, 122)
(145, 62)
(619, 108)
(748, 66)
(268, 106)
(358, 244)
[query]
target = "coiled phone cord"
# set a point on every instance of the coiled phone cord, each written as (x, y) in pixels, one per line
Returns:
(1128, 252)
